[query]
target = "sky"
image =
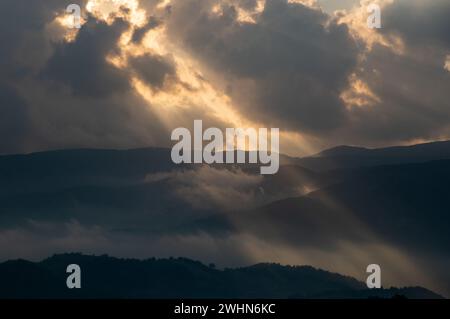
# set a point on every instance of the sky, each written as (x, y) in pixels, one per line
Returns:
(138, 69)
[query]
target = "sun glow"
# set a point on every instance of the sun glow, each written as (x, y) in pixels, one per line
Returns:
(447, 63)
(358, 94)
(66, 22)
(108, 10)
(189, 92)
(243, 15)
(356, 20)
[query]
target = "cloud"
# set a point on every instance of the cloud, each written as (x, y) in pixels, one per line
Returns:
(287, 69)
(82, 65)
(153, 69)
(66, 94)
(120, 82)
(419, 22)
(128, 79)
(411, 99)
(23, 30)
(214, 188)
(25, 46)
(402, 79)
(333, 5)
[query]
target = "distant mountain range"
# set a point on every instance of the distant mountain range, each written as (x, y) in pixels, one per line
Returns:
(107, 277)
(398, 195)
(351, 157)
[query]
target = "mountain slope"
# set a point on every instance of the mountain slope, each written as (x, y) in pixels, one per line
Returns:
(404, 206)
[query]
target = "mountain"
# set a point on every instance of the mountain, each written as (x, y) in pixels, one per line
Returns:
(70, 168)
(96, 187)
(54, 170)
(345, 157)
(398, 197)
(107, 277)
(408, 204)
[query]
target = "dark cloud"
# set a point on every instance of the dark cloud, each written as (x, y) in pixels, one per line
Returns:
(413, 99)
(82, 64)
(288, 69)
(419, 22)
(412, 83)
(25, 47)
(59, 94)
(153, 69)
(22, 32)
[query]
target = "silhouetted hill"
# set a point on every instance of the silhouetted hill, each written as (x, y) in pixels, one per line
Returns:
(351, 157)
(107, 277)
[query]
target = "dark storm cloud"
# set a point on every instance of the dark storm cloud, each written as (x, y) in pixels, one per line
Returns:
(82, 64)
(419, 22)
(24, 47)
(414, 99)
(411, 84)
(288, 69)
(153, 69)
(22, 34)
(58, 94)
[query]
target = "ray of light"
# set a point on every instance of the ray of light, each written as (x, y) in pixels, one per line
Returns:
(359, 94)
(356, 19)
(107, 10)
(191, 93)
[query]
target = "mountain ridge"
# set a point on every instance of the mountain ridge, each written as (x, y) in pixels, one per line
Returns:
(109, 277)
(345, 157)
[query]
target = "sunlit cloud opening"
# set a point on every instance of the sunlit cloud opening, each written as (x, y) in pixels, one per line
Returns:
(358, 94)
(308, 3)
(190, 92)
(243, 15)
(66, 21)
(108, 10)
(356, 20)
(447, 63)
